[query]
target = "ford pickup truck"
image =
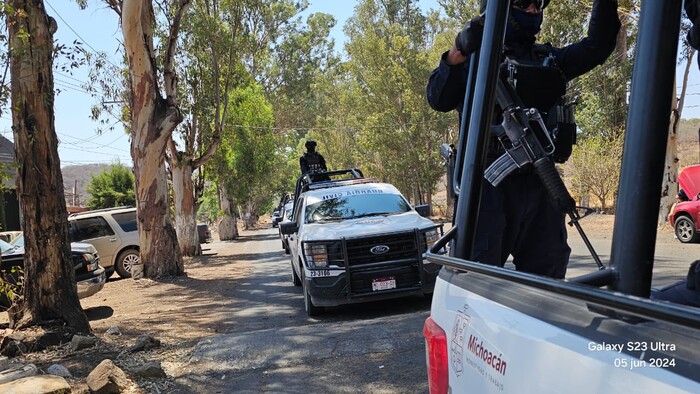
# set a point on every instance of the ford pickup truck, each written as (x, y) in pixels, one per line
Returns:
(356, 240)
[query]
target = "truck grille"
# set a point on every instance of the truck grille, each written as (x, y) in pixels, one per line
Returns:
(400, 246)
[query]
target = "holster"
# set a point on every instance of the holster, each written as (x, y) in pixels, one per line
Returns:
(564, 141)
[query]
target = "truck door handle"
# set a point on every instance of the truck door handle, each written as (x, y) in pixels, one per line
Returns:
(112, 240)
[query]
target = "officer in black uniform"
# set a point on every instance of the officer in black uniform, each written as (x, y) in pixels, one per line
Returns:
(516, 218)
(312, 161)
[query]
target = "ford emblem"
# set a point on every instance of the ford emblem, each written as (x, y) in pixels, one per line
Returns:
(379, 249)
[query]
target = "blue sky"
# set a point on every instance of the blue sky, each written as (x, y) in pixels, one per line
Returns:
(97, 27)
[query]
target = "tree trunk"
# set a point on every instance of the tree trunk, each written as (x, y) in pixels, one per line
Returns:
(185, 213)
(49, 279)
(228, 228)
(669, 186)
(153, 119)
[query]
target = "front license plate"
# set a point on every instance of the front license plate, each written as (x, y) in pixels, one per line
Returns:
(383, 284)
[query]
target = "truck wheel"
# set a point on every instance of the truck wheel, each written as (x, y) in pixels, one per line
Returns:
(311, 309)
(685, 230)
(295, 278)
(126, 261)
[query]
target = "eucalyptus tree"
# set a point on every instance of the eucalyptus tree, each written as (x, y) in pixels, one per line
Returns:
(222, 41)
(153, 113)
(669, 186)
(242, 165)
(302, 56)
(389, 59)
(337, 128)
(49, 290)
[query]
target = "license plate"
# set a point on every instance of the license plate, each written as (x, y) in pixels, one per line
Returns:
(383, 284)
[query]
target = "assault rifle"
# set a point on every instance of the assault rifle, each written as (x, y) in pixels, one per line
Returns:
(527, 142)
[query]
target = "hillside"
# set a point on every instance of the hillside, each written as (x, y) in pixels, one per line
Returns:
(80, 175)
(688, 145)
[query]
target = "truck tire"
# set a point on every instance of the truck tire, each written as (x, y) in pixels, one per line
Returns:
(685, 230)
(295, 278)
(311, 309)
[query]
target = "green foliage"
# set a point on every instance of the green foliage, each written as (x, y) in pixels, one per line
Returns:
(244, 161)
(301, 59)
(113, 187)
(209, 211)
(11, 283)
(399, 134)
(594, 168)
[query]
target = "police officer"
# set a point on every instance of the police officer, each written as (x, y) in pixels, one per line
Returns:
(516, 218)
(312, 161)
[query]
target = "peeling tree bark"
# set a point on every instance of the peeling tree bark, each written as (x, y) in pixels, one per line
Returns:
(49, 285)
(153, 119)
(185, 219)
(228, 228)
(669, 185)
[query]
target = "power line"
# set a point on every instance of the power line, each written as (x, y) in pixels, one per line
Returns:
(76, 33)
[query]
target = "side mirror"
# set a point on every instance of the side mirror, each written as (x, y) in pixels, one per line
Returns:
(423, 210)
(288, 228)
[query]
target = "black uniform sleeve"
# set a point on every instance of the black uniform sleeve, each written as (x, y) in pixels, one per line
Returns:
(446, 86)
(692, 10)
(581, 57)
(304, 166)
(323, 162)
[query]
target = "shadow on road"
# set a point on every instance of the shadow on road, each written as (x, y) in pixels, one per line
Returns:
(99, 312)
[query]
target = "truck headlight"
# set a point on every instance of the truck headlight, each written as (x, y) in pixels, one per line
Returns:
(91, 263)
(431, 236)
(316, 255)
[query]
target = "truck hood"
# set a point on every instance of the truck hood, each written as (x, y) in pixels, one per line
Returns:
(689, 181)
(367, 226)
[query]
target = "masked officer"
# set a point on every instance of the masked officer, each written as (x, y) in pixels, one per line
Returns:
(516, 218)
(312, 161)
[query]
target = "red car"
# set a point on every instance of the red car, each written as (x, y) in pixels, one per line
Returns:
(685, 215)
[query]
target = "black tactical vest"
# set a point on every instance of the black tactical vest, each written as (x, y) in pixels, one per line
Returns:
(313, 161)
(540, 83)
(536, 76)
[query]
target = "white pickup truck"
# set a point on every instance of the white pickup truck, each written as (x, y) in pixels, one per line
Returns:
(355, 240)
(496, 330)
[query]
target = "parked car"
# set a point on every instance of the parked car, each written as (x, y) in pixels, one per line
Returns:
(278, 212)
(685, 215)
(113, 233)
(89, 275)
(204, 233)
(286, 216)
(9, 236)
(276, 217)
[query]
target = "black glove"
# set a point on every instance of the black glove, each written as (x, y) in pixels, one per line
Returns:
(468, 39)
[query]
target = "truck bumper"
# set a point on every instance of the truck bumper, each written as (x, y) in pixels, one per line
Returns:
(333, 290)
(89, 287)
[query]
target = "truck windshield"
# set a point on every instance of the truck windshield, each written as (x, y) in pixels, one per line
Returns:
(349, 207)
